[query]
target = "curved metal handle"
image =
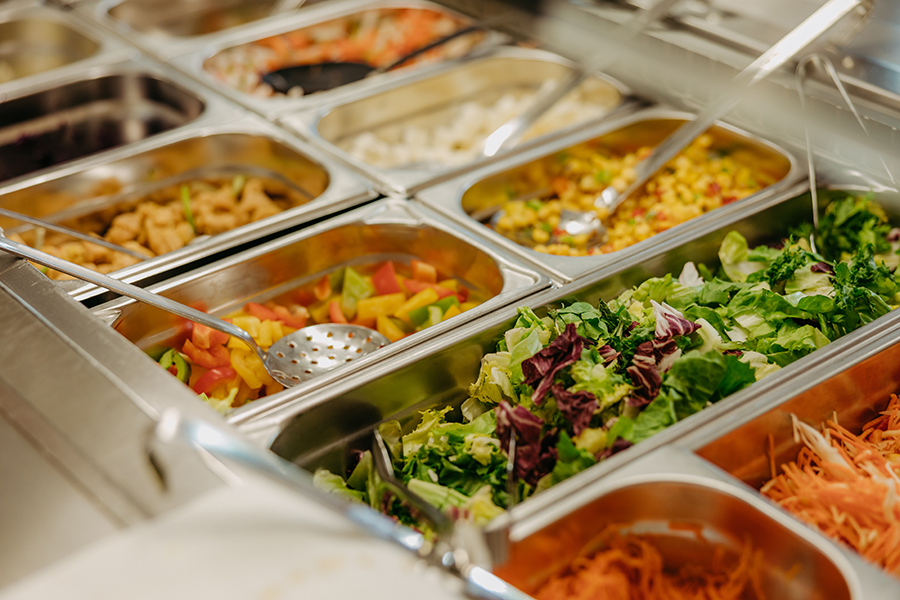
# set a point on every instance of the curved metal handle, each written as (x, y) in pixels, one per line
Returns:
(200, 435)
(132, 291)
(774, 58)
(73, 233)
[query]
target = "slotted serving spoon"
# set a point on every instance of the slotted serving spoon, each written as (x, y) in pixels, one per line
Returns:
(290, 361)
(810, 30)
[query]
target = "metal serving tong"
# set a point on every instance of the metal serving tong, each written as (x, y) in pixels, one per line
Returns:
(290, 361)
(454, 554)
(510, 133)
(802, 73)
(810, 30)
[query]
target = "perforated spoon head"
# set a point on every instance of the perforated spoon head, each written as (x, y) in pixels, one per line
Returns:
(314, 350)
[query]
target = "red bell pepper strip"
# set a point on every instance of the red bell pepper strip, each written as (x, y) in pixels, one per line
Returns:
(205, 337)
(323, 289)
(213, 358)
(335, 313)
(263, 313)
(422, 271)
(289, 318)
(385, 280)
(211, 378)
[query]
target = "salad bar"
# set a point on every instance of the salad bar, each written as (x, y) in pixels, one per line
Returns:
(689, 392)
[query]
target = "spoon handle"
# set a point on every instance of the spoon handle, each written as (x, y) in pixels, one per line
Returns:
(132, 291)
(774, 58)
(72, 232)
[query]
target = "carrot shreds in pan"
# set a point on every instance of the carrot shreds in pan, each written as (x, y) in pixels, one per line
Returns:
(848, 485)
(631, 568)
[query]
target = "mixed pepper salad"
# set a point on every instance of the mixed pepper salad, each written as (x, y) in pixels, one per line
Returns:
(227, 374)
(584, 381)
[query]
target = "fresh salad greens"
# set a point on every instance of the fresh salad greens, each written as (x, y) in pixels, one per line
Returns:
(585, 381)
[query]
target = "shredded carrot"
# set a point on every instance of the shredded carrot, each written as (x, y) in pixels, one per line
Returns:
(631, 568)
(849, 485)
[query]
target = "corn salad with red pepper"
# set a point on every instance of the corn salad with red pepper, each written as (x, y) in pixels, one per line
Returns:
(696, 181)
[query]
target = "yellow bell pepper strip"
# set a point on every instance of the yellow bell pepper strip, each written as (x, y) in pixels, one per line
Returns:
(468, 306)
(450, 284)
(250, 369)
(388, 329)
(371, 308)
(452, 312)
(423, 298)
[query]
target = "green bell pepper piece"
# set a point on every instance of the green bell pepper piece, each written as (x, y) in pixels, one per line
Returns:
(355, 288)
(420, 315)
(172, 358)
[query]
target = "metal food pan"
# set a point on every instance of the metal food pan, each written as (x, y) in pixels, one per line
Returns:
(480, 190)
(852, 389)
(40, 43)
(433, 98)
(193, 62)
(855, 388)
(45, 128)
(248, 141)
(169, 27)
(389, 229)
(319, 431)
(676, 498)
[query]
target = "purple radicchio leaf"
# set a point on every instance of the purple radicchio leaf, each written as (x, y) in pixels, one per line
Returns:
(734, 352)
(519, 419)
(541, 368)
(670, 322)
(608, 354)
(822, 267)
(577, 407)
(536, 460)
(617, 447)
(534, 456)
(894, 234)
(651, 359)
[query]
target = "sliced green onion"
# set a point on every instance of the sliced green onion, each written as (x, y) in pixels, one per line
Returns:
(186, 205)
(237, 184)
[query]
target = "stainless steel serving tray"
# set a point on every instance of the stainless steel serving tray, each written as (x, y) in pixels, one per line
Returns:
(431, 97)
(389, 229)
(316, 431)
(457, 198)
(166, 28)
(94, 110)
(235, 141)
(676, 497)
(853, 387)
(193, 62)
(41, 44)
